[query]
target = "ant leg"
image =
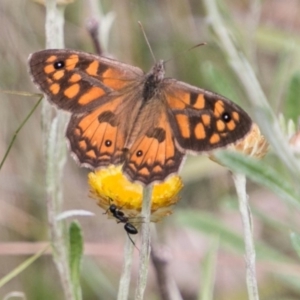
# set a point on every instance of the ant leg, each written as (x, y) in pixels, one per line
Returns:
(131, 240)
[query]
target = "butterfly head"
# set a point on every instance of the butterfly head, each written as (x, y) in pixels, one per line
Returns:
(153, 79)
(158, 71)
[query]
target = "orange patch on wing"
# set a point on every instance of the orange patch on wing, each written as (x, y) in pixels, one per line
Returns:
(72, 91)
(51, 59)
(184, 125)
(82, 145)
(91, 153)
(158, 151)
(77, 132)
(143, 145)
(166, 149)
(206, 119)
(219, 108)
(236, 116)
(200, 131)
(75, 78)
(215, 138)
(220, 125)
(200, 102)
(89, 124)
(49, 80)
(170, 149)
(157, 169)
(97, 133)
(170, 162)
(59, 74)
(49, 69)
(178, 101)
(90, 95)
(71, 62)
(144, 172)
(230, 125)
(106, 132)
(114, 79)
(54, 88)
(92, 69)
(149, 160)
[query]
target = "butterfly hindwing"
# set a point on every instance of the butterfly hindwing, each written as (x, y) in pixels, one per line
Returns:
(153, 155)
(98, 137)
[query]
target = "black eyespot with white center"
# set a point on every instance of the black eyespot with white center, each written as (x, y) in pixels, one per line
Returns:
(139, 153)
(108, 143)
(59, 64)
(226, 117)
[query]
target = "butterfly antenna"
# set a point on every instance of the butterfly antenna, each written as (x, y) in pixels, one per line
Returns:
(147, 41)
(187, 50)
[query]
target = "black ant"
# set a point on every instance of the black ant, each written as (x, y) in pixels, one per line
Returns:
(122, 218)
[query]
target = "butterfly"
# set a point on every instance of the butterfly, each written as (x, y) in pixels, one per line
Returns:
(120, 115)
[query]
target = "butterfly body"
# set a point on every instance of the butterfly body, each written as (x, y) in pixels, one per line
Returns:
(119, 114)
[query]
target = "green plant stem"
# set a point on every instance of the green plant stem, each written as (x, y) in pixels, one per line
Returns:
(126, 273)
(18, 130)
(145, 247)
(18, 270)
(55, 150)
(240, 185)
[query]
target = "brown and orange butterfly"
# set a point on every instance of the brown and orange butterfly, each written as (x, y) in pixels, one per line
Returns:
(120, 115)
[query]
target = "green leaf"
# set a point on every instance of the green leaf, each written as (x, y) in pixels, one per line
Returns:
(211, 225)
(261, 173)
(292, 108)
(208, 271)
(75, 256)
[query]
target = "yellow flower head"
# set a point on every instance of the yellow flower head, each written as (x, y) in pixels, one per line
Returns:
(109, 186)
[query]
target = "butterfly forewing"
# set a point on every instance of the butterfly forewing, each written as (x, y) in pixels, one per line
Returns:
(78, 81)
(201, 120)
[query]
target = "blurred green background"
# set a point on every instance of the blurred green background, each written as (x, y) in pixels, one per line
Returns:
(267, 32)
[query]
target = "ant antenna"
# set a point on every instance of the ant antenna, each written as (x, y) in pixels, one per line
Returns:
(187, 50)
(147, 41)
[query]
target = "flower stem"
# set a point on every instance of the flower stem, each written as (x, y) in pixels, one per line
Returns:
(126, 273)
(55, 150)
(145, 247)
(240, 185)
